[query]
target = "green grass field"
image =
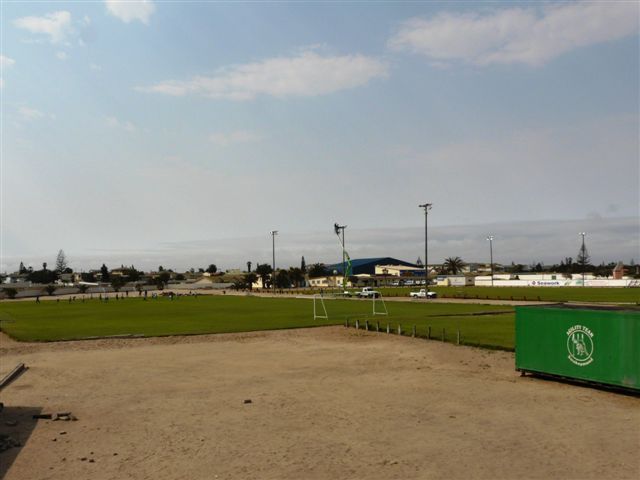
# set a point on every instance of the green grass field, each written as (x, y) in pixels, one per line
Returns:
(545, 294)
(51, 321)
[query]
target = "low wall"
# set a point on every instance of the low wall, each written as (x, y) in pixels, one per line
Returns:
(563, 282)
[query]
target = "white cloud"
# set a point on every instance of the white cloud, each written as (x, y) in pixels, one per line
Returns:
(61, 55)
(235, 137)
(517, 35)
(6, 62)
(56, 25)
(131, 10)
(27, 113)
(113, 122)
(307, 74)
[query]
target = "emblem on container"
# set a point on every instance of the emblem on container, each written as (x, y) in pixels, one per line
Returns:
(580, 345)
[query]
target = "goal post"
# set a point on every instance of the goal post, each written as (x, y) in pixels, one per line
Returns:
(379, 307)
(347, 308)
(319, 309)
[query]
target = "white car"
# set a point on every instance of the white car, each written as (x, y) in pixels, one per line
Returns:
(368, 292)
(423, 293)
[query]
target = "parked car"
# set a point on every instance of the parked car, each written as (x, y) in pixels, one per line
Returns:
(368, 292)
(423, 293)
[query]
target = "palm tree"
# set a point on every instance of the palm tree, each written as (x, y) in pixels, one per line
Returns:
(453, 265)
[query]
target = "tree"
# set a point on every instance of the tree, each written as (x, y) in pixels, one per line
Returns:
(165, 277)
(419, 262)
(10, 292)
(88, 277)
(117, 282)
(44, 265)
(296, 275)
(22, 269)
(264, 271)
(212, 269)
(317, 270)
(453, 265)
(246, 281)
(249, 267)
(50, 289)
(282, 279)
(61, 262)
(583, 258)
(42, 276)
(131, 273)
(303, 265)
(160, 268)
(105, 273)
(201, 270)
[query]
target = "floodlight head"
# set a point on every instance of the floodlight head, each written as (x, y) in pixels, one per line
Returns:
(490, 237)
(337, 228)
(426, 206)
(582, 233)
(274, 232)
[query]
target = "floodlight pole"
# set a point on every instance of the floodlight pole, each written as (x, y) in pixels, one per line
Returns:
(273, 247)
(490, 238)
(583, 252)
(337, 228)
(427, 207)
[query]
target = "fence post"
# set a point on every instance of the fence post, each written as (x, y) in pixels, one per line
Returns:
(458, 339)
(399, 329)
(377, 326)
(346, 323)
(429, 333)
(387, 328)
(413, 332)
(357, 324)
(366, 325)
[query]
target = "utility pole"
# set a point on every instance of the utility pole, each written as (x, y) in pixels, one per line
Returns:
(490, 238)
(273, 246)
(338, 228)
(583, 253)
(427, 207)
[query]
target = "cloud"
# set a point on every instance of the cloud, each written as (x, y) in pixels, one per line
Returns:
(113, 122)
(307, 74)
(235, 137)
(131, 10)
(27, 113)
(56, 25)
(6, 62)
(61, 55)
(517, 35)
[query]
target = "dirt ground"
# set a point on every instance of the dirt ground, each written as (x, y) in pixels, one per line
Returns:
(326, 403)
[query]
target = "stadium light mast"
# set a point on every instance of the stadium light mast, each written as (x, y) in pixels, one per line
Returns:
(427, 207)
(583, 252)
(490, 238)
(338, 228)
(273, 250)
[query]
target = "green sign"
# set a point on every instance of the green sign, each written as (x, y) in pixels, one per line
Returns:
(596, 345)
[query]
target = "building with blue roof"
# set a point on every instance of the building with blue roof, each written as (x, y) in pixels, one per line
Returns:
(367, 265)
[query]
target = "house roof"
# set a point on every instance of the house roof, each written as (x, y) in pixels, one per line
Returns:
(368, 265)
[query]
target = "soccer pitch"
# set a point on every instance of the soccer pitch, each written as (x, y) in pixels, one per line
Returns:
(52, 321)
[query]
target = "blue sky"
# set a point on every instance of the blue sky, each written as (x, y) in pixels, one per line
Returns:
(127, 127)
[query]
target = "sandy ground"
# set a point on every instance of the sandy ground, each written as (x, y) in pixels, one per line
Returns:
(326, 403)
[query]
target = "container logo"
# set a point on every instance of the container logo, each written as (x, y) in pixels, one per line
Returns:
(580, 345)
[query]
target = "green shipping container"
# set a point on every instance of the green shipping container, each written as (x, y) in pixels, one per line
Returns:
(593, 344)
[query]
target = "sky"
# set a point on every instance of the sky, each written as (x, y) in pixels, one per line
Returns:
(181, 134)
